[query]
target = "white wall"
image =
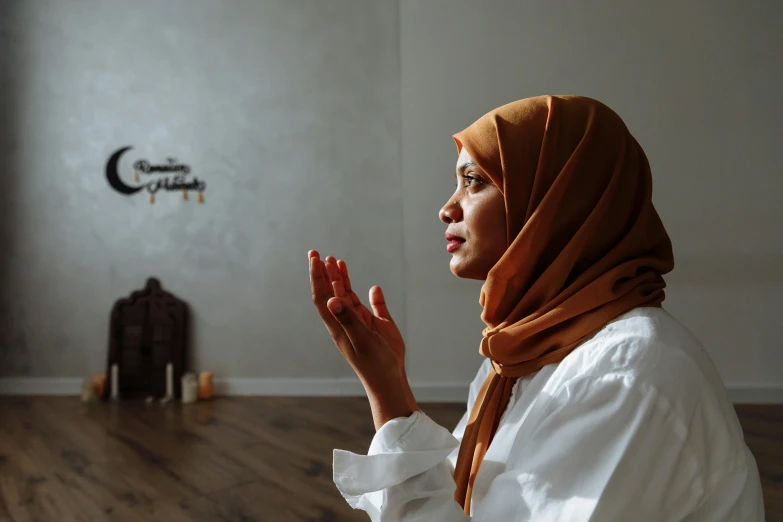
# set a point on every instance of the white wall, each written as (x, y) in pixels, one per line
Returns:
(291, 111)
(698, 84)
(288, 109)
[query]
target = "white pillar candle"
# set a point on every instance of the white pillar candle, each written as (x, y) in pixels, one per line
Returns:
(189, 388)
(88, 390)
(169, 381)
(115, 382)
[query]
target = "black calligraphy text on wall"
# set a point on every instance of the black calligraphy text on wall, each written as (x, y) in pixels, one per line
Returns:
(170, 176)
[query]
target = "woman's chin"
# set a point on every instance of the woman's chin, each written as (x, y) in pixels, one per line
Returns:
(460, 268)
(469, 268)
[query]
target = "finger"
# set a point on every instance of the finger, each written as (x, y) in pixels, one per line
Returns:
(378, 303)
(316, 275)
(351, 323)
(335, 277)
(364, 313)
(322, 292)
(347, 282)
(321, 289)
(325, 277)
(314, 266)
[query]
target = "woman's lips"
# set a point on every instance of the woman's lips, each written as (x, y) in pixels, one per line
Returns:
(454, 241)
(454, 244)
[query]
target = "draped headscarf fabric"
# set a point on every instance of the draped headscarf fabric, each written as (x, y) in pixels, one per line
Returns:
(585, 244)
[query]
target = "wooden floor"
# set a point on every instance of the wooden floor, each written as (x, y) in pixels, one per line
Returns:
(231, 460)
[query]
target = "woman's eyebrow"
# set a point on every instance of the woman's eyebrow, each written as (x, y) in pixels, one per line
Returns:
(461, 168)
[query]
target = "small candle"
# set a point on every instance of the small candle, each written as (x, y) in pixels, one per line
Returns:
(189, 388)
(115, 382)
(169, 381)
(205, 385)
(88, 390)
(99, 380)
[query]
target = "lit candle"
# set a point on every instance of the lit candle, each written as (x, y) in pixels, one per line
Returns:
(169, 381)
(115, 382)
(205, 385)
(100, 384)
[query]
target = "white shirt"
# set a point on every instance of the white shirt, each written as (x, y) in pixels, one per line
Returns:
(633, 425)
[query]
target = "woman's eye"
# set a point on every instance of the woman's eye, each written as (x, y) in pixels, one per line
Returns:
(470, 180)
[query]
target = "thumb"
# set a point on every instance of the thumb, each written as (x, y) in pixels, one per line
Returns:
(378, 303)
(337, 307)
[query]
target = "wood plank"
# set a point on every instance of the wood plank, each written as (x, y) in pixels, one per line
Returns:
(228, 460)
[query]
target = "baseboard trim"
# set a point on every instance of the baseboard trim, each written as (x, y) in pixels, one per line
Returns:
(755, 393)
(247, 387)
(262, 387)
(40, 386)
(439, 392)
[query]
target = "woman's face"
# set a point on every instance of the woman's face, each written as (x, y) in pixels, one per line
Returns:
(476, 219)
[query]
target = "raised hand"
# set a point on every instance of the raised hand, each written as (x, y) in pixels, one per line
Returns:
(370, 341)
(379, 320)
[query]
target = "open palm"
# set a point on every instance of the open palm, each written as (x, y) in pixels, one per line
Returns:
(379, 320)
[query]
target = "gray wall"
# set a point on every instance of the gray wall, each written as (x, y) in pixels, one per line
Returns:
(292, 112)
(698, 84)
(288, 109)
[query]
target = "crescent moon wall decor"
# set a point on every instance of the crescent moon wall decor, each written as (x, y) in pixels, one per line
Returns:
(170, 176)
(113, 176)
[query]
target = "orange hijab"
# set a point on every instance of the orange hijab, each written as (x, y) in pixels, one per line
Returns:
(585, 244)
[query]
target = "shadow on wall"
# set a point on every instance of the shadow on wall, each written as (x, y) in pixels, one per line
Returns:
(14, 351)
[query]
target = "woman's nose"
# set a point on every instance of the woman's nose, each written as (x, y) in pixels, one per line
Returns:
(449, 213)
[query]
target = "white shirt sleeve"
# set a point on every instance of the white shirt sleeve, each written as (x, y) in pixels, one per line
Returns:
(405, 475)
(380, 482)
(600, 448)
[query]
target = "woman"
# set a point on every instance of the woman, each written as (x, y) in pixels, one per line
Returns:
(593, 403)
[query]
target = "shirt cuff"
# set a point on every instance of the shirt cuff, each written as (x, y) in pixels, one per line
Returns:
(404, 447)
